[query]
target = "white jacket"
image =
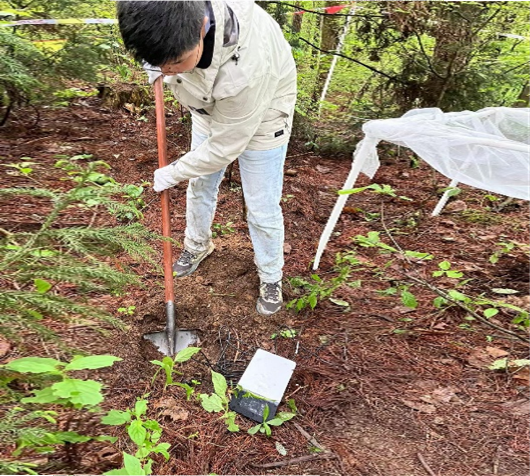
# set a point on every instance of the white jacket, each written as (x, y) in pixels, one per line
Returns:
(245, 99)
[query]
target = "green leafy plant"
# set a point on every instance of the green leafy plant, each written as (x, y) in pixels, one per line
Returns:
(22, 167)
(408, 299)
(16, 467)
(27, 431)
(265, 426)
(133, 195)
(18, 57)
(128, 311)
(218, 401)
(508, 364)
(445, 270)
(221, 230)
(373, 240)
(418, 255)
(144, 433)
(391, 291)
(285, 333)
(57, 388)
(452, 191)
(168, 366)
(347, 259)
(477, 307)
(319, 289)
(505, 247)
(376, 188)
(65, 97)
(39, 439)
(316, 290)
(31, 71)
(124, 71)
(67, 391)
(487, 308)
(371, 216)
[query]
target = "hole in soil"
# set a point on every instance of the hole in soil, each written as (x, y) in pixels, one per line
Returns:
(513, 275)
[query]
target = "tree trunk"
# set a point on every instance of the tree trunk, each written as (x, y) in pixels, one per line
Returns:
(331, 28)
(524, 97)
(297, 21)
(452, 52)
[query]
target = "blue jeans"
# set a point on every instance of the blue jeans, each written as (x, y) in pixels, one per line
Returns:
(262, 180)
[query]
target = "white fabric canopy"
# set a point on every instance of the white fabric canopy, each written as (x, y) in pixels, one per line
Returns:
(488, 149)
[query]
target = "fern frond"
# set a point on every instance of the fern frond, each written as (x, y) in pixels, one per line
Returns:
(16, 467)
(132, 239)
(91, 276)
(17, 427)
(71, 254)
(10, 325)
(50, 305)
(14, 426)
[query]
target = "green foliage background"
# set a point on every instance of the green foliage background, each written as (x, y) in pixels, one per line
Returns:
(32, 67)
(453, 55)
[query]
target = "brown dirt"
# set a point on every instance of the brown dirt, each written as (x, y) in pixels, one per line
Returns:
(419, 401)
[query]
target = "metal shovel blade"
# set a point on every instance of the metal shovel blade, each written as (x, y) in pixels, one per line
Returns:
(171, 341)
(181, 340)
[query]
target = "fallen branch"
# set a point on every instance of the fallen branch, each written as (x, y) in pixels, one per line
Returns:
(418, 279)
(301, 459)
(425, 465)
(474, 314)
(76, 139)
(36, 140)
(496, 462)
(309, 438)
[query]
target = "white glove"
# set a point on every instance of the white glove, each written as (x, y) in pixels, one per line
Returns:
(153, 72)
(164, 179)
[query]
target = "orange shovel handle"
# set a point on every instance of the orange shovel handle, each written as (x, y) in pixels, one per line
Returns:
(162, 162)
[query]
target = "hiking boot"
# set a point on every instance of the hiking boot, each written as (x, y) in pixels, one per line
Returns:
(188, 261)
(270, 298)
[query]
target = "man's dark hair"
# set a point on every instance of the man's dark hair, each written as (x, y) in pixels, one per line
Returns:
(160, 31)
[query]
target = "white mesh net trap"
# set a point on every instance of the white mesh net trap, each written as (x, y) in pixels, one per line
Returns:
(487, 149)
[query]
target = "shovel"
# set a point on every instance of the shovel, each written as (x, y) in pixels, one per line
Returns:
(171, 340)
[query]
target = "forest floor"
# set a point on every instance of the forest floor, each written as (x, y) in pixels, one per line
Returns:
(382, 389)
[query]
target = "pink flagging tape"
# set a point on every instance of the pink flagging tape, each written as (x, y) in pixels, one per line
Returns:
(329, 10)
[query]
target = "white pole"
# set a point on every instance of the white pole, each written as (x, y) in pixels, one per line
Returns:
(357, 166)
(444, 198)
(335, 57)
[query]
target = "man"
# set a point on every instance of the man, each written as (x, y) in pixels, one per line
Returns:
(228, 62)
